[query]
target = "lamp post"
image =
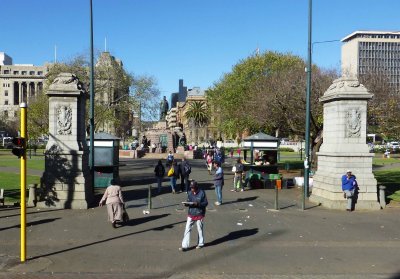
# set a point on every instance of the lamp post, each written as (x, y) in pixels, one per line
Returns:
(308, 94)
(91, 115)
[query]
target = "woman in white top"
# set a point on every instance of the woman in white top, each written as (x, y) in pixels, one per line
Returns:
(113, 199)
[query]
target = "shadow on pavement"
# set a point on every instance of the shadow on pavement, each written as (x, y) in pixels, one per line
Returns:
(28, 213)
(34, 223)
(233, 236)
(243, 200)
(169, 226)
(138, 221)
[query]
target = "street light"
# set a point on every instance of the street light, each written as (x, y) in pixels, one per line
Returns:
(308, 94)
(91, 115)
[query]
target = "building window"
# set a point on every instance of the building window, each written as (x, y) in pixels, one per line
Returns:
(6, 72)
(32, 73)
(40, 73)
(23, 73)
(6, 102)
(16, 72)
(5, 92)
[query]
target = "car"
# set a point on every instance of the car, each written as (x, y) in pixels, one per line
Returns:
(394, 145)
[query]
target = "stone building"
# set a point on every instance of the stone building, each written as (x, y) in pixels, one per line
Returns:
(18, 83)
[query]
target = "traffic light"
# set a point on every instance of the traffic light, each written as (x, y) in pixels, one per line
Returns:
(19, 147)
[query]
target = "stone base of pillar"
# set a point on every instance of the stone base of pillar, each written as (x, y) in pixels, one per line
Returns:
(341, 204)
(327, 189)
(65, 196)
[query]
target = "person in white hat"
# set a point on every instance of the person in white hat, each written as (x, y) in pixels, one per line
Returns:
(349, 184)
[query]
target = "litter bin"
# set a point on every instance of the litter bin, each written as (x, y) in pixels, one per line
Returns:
(106, 159)
(277, 178)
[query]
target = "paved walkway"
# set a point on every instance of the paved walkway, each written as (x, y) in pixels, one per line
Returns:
(246, 237)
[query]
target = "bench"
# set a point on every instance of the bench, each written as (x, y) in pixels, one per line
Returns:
(2, 196)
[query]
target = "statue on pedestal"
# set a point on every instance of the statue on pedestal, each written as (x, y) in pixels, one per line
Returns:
(164, 107)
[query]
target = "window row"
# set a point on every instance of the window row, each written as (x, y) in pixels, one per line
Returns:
(23, 73)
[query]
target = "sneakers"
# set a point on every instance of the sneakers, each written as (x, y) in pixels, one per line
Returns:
(217, 203)
(199, 246)
(182, 249)
(242, 190)
(233, 190)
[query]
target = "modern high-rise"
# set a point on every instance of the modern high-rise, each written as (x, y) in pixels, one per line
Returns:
(369, 52)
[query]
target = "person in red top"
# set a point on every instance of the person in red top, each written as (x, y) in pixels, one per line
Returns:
(197, 203)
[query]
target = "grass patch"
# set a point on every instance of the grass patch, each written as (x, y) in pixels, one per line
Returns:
(36, 162)
(391, 179)
(11, 182)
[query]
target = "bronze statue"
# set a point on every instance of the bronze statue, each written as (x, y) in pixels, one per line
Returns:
(164, 107)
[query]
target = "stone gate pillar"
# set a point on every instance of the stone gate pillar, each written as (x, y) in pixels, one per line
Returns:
(344, 147)
(66, 180)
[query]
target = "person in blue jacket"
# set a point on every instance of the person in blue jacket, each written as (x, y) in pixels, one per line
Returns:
(197, 203)
(349, 185)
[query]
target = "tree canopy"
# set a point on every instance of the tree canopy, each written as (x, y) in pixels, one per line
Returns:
(267, 92)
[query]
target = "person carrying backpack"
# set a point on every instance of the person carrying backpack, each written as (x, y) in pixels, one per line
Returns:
(159, 172)
(185, 170)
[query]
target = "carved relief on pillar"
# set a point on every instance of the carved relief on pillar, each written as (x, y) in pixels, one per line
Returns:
(353, 123)
(64, 120)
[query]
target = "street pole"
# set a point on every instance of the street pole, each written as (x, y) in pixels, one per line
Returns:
(24, 133)
(308, 95)
(91, 115)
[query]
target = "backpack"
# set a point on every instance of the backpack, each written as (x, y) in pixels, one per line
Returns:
(170, 157)
(187, 169)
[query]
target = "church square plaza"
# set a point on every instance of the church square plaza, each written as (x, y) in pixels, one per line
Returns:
(244, 237)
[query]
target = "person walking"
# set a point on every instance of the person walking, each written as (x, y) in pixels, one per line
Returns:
(349, 185)
(237, 180)
(209, 160)
(170, 158)
(185, 170)
(197, 203)
(218, 182)
(159, 172)
(115, 203)
(173, 174)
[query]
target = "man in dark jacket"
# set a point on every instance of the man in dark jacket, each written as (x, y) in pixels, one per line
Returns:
(197, 203)
(185, 169)
(159, 172)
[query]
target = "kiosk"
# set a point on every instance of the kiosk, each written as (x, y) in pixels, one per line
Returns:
(262, 167)
(106, 159)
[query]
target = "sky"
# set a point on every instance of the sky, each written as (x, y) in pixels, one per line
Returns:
(197, 41)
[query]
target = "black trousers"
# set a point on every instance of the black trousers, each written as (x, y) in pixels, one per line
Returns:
(185, 183)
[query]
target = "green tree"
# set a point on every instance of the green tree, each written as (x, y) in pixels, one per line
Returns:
(198, 115)
(116, 94)
(38, 116)
(384, 107)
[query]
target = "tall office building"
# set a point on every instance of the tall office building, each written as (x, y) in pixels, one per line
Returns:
(366, 52)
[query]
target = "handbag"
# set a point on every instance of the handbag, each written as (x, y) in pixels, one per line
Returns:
(171, 172)
(125, 216)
